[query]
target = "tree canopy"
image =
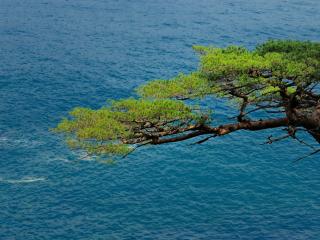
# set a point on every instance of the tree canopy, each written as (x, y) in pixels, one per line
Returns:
(277, 80)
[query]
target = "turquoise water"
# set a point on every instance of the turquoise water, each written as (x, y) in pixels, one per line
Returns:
(59, 54)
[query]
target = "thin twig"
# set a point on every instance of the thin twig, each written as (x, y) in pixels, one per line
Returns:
(308, 155)
(204, 140)
(272, 140)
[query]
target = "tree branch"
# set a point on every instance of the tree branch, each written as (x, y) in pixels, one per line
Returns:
(224, 129)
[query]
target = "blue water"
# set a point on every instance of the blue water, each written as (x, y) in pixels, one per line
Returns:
(58, 54)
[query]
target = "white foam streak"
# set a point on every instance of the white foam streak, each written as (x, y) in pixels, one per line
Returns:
(23, 180)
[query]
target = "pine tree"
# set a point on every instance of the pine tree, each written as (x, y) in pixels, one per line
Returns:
(272, 86)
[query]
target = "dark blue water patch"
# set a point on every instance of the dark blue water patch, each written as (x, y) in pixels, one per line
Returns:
(56, 55)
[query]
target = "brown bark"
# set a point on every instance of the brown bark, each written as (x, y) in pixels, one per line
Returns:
(302, 111)
(225, 129)
(308, 118)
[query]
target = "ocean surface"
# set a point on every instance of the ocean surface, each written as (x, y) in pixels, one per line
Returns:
(58, 54)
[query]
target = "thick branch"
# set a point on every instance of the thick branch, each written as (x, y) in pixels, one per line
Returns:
(226, 129)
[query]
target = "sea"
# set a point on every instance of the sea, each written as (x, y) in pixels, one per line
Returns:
(59, 54)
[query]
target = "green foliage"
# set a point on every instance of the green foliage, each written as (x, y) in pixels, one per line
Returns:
(182, 86)
(260, 75)
(302, 57)
(107, 131)
(297, 50)
(143, 110)
(221, 68)
(233, 63)
(218, 63)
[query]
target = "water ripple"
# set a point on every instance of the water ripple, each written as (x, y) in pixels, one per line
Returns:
(60, 54)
